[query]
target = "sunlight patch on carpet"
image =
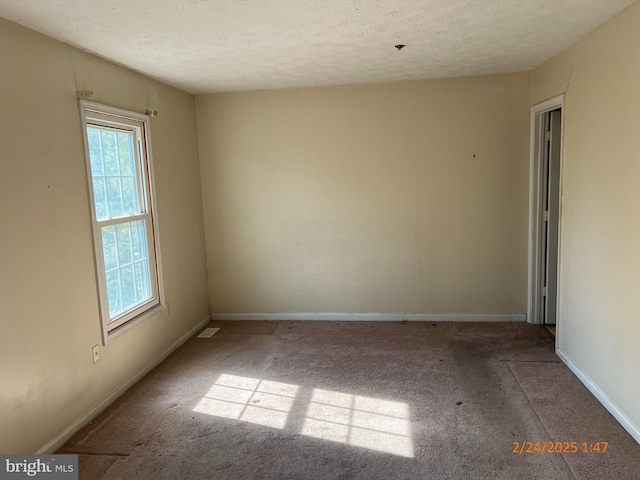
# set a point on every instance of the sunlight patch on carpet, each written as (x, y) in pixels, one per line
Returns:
(366, 422)
(249, 399)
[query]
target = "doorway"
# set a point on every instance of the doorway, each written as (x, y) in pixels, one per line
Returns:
(544, 216)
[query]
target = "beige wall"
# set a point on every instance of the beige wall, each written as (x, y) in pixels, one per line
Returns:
(368, 198)
(49, 315)
(600, 268)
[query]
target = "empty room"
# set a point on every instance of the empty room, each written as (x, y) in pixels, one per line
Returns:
(320, 240)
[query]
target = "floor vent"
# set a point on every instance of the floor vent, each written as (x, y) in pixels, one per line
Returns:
(208, 332)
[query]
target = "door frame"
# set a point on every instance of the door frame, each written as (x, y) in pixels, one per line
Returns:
(536, 209)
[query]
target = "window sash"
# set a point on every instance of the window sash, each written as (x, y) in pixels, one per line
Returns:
(116, 120)
(129, 314)
(139, 173)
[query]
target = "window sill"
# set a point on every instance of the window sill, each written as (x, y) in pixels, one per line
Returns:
(116, 332)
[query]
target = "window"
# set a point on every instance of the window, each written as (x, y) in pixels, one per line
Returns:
(124, 234)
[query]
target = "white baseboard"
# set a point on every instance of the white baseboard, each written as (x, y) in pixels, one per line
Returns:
(372, 317)
(602, 397)
(72, 429)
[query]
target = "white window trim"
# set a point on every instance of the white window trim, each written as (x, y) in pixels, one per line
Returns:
(91, 112)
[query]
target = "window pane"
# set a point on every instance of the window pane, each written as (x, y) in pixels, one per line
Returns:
(142, 290)
(127, 266)
(125, 152)
(113, 291)
(94, 151)
(100, 197)
(128, 285)
(109, 245)
(146, 280)
(113, 170)
(109, 152)
(125, 249)
(129, 195)
(114, 198)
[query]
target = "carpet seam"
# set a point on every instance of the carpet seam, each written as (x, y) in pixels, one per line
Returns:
(573, 474)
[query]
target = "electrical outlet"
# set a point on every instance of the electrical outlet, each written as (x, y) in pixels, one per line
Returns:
(96, 353)
(167, 306)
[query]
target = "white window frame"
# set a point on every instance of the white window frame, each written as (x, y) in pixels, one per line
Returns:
(102, 116)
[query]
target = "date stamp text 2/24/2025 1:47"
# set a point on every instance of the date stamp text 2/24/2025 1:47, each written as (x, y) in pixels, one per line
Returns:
(545, 447)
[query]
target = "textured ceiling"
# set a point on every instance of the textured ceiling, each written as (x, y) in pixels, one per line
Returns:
(206, 46)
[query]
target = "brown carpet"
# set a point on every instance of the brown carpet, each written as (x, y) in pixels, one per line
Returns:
(340, 400)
